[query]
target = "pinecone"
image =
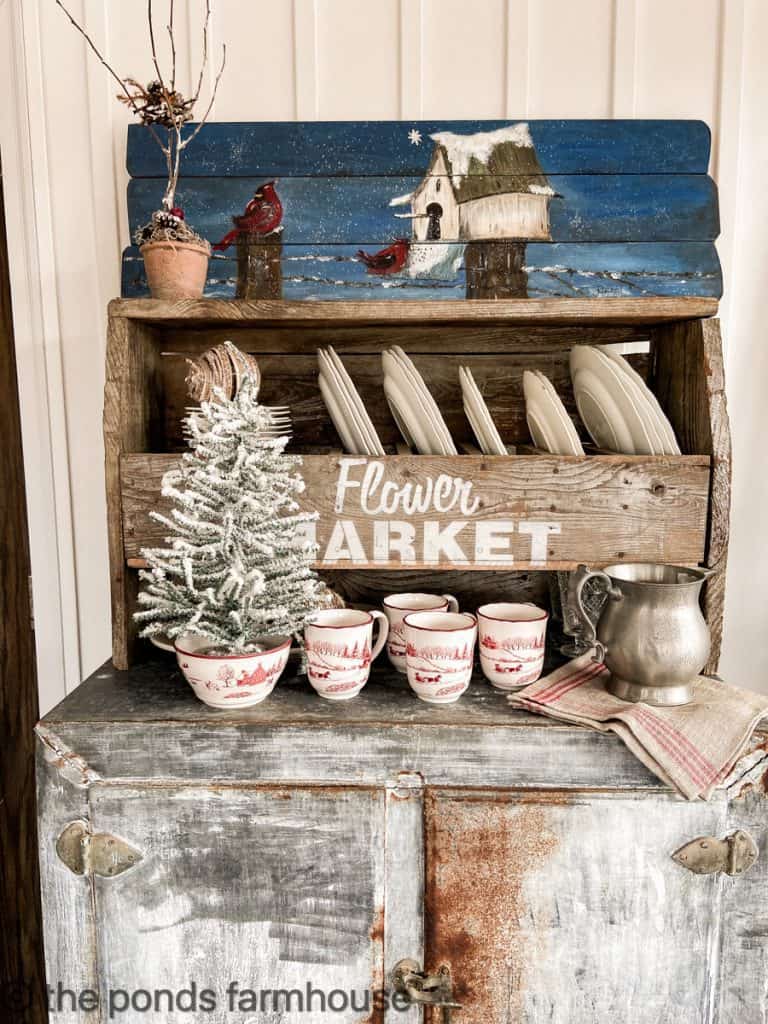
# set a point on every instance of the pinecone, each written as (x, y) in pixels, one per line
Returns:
(166, 219)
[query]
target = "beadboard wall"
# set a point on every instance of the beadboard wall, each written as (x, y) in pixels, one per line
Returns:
(63, 142)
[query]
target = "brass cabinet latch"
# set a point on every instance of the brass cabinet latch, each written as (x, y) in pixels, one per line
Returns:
(94, 853)
(708, 855)
(423, 989)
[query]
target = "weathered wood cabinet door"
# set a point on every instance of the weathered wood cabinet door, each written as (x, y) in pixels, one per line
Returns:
(271, 889)
(302, 844)
(567, 908)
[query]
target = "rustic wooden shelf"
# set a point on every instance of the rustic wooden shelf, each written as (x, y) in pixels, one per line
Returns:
(514, 311)
(602, 508)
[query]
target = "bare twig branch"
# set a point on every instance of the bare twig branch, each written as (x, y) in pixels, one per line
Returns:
(100, 56)
(173, 46)
(155, 60)
(204, 64)
(126, 91)
(205, 116)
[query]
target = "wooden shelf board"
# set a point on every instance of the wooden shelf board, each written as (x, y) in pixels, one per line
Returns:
(520, 311)
(604, 508)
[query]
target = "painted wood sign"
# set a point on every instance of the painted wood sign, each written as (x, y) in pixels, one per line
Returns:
(477, 512)
(443, 210)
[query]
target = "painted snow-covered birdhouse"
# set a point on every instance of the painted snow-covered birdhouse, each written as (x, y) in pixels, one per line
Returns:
(488, 185)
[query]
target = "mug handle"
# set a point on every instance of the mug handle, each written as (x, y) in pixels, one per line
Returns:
(383, 632)
(453, 604)
(576, 585)
(162, 644)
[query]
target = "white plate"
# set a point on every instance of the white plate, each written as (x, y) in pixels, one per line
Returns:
(656, 416)
(586, 359)
(337, 416)
(477, 428)
(367, 444)
(366, 427)
(445, 441)
(600, 414)
(473, 415)
(413, 408)
(479, 415)
(409, 423)
(441, 441)
(476, 409)
(411, 419)
(550, 425)
(343, 406)
(570, 436)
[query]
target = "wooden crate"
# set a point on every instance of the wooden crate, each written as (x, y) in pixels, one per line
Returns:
(525, 514)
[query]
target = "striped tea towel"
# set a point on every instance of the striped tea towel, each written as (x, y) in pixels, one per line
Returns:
(690, 748)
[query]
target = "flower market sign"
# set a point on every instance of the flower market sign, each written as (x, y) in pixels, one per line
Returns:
(391, 512)
(474, 511)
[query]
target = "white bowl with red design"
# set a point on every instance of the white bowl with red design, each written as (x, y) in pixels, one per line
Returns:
(234, 680)
(512, 642)
(439, 654)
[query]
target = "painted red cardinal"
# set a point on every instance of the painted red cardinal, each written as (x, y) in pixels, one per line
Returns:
(261, 216)
(389, 260)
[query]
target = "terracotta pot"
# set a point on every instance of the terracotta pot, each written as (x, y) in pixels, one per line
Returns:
(175, 270)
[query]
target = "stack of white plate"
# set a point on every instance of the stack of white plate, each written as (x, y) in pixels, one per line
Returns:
(550, 425)
(346, 407)
(479, 416)
(414, 409)
(619, 411)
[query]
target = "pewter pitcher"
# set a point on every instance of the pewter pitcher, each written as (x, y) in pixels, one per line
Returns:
(651, 633)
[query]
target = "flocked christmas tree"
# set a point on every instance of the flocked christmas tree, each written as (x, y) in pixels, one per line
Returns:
(237, 564)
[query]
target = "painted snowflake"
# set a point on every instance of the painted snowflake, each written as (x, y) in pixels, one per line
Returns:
(414, 137)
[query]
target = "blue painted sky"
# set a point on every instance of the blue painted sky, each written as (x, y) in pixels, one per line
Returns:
(383, 147)
(589, 208)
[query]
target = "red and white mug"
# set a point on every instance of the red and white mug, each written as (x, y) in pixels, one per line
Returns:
(340, 650)
(512, 641)
(439, 654)
(397, 606)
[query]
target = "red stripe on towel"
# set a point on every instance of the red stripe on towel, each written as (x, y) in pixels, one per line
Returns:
(694, 773)
(557, 690)
(684, 753)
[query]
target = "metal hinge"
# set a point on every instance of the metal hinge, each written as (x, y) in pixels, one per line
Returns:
(422, 989)
(94, 853)
(708, 855)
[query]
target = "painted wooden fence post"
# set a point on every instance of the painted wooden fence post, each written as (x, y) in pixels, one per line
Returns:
(496, 270)
(259, 266)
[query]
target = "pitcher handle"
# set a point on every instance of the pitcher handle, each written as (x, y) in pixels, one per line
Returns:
(383, 632)
(453, 604)
(576, 586)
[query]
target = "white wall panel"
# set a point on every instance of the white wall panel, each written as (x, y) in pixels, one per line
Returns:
(517, 59)
(678, 58)
(625, 14)
(464, 49)
(349, 59)
(570, 58)
(75, 227)
(259, 80)
(745, 652)
(411, 85)
(358, 59)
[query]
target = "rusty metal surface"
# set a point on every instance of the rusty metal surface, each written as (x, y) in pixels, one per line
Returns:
(478, 853)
